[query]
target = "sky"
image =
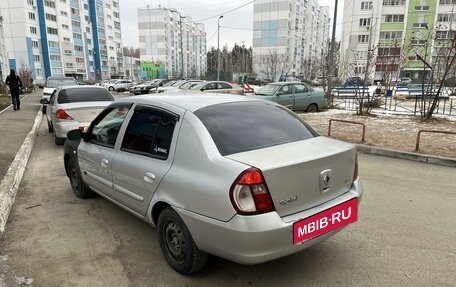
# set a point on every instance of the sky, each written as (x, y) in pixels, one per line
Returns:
(235, 26)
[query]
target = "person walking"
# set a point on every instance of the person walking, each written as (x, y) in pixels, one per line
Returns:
(14, 82)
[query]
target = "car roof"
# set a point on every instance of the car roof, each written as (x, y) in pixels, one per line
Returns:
(60, 78)
(191, 101)
(81, 87)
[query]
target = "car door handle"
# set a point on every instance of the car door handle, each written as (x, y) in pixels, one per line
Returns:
(149, 177)
(104, 163)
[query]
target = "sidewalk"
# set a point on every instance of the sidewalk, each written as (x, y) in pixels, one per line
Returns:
(18, 132)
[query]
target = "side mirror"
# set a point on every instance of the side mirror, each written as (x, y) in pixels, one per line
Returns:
(74, 135)
(44, 101)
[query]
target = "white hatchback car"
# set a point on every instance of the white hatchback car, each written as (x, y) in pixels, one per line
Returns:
(244, 179)
(119, 85)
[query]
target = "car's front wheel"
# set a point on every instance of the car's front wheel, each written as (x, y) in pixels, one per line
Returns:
(312, 108)
(177, 244)
(59, 141)
(111, 88)
(80, 188)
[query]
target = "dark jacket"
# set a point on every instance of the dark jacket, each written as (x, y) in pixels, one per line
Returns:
(14, 82)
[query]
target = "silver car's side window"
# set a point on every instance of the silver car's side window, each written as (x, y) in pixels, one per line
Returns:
(149, 132)
(105, 130)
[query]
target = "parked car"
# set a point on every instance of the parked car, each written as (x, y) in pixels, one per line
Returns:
(71, 107)
(404, 81)
(51, 84)
(220, 86)
(199, 168)
(179, 86)
(296, 96)
(119, 85)
(144, 87)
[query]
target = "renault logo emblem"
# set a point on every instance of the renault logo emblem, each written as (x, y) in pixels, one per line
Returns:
(325, 180)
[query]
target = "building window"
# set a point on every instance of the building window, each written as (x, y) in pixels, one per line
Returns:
(76, 24)
(68, 52)
(422, 8)
(80, 60)
(55, 57)
(74, 11)
(393, 18)
(390, 35)
(115, 14)
(66, 39)
(63, 13)
(78, 48)
(69, 65)
(364, 22)
(361, 55)
(54, 44)
(52, 31)
(49, 3)
(366, 5)
(65, 26)
(115, 4)
(35, 44)
(51, 17)
(417, 42)
(33, 30)
(56, 71)
(445, 17)
(363, 38)
(31, 16)
(36, 58)
(420, 25)
(447, 2)
(77, 36)
(393, 2)
(31, 2)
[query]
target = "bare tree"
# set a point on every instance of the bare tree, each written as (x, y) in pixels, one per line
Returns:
(273, 64)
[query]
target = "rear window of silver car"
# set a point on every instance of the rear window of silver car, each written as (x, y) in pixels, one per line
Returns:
(243, 126)
(84, 95)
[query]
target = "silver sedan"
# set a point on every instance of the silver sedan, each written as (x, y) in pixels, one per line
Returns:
(244, 179)
(72, 107)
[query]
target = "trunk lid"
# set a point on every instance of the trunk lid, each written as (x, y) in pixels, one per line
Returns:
(84, 111)
(303, 174)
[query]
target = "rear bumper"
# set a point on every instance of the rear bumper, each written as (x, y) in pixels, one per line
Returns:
(61, 128)
(259, 238)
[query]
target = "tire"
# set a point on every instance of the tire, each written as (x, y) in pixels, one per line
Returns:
(312, 108)
(80, 188)
(177, 244)
(111, 89)
(59, 141)
(43, 109)
(50, 128)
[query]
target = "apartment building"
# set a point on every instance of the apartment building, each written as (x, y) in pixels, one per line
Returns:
(291, 36)
(169, 38)
(394, 37)
(3, 58)
(79, 38)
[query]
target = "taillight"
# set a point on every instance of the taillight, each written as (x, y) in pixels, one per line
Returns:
(355, 173)
(62, 115)
(249, 193)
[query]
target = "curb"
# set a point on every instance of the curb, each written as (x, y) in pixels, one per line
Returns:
(13, 177)
(445, 161)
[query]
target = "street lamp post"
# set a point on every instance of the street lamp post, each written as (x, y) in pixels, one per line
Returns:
(218, 47)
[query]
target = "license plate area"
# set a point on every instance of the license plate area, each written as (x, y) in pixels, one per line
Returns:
(326, 221)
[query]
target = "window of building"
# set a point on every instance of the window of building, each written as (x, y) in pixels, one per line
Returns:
(78, 48)
(363, 38)
(66, 39)
(115, 14)
(390, 35)
(364, 22)
(417, 42)
(65, 26)
(420, 25)
(64, 1)
(57, 71)
(54, 44)
(31, 2)
(36, 58)
(108, 5)
(88, 29)
(51, 17)
(35, 44)
(361, 55)
(68, 52)
(63, 13)
(49, 3)
(393, 18)
(52, 31)
(393, 2)
(115, 4)
(74, 11)
(109, 16)
(445, 17)
(31, 16)
(77, 36)
(69, 65)
(447, 2)
(54, 57)
(80, 60)
(33, 30)
(366, 5)
(422, 8)
(76, 23)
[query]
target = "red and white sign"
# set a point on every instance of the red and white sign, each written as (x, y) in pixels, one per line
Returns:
(331, 219)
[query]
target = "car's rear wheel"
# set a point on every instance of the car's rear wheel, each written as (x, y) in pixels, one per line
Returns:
(43, 109)
(111, 88)
(177, 244)
(80, 188)
(312, 108)
(50, 128)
